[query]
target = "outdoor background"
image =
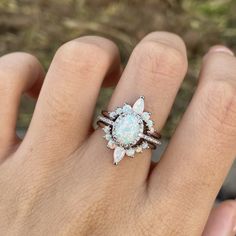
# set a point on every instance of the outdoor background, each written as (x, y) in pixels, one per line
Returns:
(41, 26)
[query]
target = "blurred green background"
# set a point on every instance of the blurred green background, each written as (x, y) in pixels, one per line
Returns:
(41, 26)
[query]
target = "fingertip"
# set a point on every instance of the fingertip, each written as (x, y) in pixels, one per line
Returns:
(222, 220)
(221, 48)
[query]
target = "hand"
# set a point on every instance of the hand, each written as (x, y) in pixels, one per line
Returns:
(60, 179)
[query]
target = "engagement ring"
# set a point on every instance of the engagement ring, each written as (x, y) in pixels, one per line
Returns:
(129, 130)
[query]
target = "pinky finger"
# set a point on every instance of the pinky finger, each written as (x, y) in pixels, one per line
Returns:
(19, 73)
(222, 220)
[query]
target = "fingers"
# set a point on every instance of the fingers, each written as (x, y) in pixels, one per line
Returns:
(19, 73)
(222, 220)
(65, 107)
(155, 70)
(203, 148)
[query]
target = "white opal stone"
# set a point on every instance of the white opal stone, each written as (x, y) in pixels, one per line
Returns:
(130, 152)
(119, 110)
(119, 153)
(146, 116)
(150, 123)
(139, 105)
(126, 129)
(127, 108)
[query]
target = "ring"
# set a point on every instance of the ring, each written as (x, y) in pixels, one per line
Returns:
(129, 130)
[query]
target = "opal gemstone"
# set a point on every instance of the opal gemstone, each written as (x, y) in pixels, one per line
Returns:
(126, 129)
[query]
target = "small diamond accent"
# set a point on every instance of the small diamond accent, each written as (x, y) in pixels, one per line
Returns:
(146, 116)
(105, 120)
(119, 110)
(145, 145)
(112, 114)
(151, 130)
(130, 152)
(139, 149)
(149, 123)
(106, 129)
(127, 108)
(111, 145)
(150, 139)
(107, 137)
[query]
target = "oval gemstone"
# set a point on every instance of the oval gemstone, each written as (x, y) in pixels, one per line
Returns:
(126, 129)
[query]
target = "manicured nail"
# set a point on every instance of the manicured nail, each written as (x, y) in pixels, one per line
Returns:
(221, 48)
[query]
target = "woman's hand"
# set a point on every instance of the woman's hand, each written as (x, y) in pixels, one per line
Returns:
(60, 179)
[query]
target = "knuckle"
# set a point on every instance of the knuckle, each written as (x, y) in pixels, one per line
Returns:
(28, 58)
(159, 58)
(83, 55)
(168, 39)
(13, 67)
(60, 110)
(219, 99)
(219, 65)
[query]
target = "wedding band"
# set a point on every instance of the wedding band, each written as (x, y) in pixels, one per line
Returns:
(129, 130)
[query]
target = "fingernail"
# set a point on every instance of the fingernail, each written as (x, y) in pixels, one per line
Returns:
(221, 48)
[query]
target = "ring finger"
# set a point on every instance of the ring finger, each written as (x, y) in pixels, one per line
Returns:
(155, 70)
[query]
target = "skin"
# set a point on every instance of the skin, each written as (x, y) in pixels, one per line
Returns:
(59, 180)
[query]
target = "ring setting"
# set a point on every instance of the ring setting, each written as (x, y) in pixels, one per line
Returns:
(129, 130)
